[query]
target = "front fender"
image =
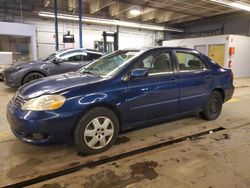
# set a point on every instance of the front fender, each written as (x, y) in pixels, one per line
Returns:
(92, 98)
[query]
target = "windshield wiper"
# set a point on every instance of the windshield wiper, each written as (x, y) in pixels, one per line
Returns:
(92, 73)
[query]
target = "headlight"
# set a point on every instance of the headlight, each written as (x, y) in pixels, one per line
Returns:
(11, 71)
(44, 102)
(17, 68)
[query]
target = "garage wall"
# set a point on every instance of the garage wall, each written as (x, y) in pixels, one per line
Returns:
(19, 29)
(192, 42)
(128, 38)
(237, 23)
(241, 58)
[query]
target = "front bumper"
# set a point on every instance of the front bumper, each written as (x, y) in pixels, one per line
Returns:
(12, 79)
(1, 76)
(40, 127)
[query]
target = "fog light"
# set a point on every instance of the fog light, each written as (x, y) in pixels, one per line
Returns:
(37, 136)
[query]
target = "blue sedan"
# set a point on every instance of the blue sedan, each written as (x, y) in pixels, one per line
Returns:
(120, 91)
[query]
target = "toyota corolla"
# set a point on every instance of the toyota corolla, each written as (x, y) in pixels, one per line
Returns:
(120, 91)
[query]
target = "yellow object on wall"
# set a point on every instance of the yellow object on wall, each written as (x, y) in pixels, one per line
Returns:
(217, 53)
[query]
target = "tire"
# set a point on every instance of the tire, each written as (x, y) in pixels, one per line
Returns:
(96, 131)
(32, 76)
(212, 107)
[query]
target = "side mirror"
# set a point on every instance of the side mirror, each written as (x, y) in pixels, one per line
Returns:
(139, 73)
(58, 60)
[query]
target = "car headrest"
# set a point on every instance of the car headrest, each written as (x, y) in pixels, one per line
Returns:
(194, 64)
(161, 62)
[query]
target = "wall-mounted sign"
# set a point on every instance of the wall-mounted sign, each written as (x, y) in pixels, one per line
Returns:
(68, 38)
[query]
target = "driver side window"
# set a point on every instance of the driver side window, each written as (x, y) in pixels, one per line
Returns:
(157, 63)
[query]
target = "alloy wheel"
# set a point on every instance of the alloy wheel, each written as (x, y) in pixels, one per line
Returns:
(99, 132)
(213, 105)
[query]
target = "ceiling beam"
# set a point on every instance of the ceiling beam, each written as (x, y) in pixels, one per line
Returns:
(71, 5)
(97, 5)
(162, 6)
(34, 5)
(160, 16)
(120, 7)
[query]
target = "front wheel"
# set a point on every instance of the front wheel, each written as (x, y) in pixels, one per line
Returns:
(212, 107)
(96, 131)
(32, 76)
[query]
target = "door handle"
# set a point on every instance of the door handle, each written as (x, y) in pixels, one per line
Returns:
(208, 76)
(173, 80)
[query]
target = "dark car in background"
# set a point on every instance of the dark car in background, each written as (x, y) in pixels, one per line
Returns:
(59, 62)
(117, 92)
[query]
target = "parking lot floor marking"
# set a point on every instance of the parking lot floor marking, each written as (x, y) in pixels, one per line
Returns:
(233, 100)
(6, 136)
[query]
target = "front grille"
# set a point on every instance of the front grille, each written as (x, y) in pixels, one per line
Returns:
(8, 72)
(18, 100)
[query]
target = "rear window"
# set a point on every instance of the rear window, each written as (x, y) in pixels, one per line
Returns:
(92, 56)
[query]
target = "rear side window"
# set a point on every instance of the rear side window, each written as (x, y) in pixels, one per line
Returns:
(74, 58)
(92, 56)
(189, 62)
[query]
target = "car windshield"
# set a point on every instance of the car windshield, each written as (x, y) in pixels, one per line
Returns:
(110, 64)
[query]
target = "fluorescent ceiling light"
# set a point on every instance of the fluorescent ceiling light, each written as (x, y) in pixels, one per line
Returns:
(241, 6)
(234, 4)
(135, 12)
(101, 21)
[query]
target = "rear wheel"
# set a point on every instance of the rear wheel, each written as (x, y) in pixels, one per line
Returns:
(213, 106)
(96, 131)
(32, 76)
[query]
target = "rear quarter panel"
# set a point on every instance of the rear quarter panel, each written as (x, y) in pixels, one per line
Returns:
(222, 78)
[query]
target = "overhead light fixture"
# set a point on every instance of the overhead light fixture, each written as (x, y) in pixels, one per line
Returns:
(135, 11)
(47, 3)
(101, 21)
(234, 4)
(241, 6)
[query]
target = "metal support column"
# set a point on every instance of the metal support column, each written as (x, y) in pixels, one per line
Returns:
(56, 25)
(104, 34)
(80, 23)
(116, 38)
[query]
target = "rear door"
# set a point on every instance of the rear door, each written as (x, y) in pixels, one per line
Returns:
(157, 95)
(194, 79)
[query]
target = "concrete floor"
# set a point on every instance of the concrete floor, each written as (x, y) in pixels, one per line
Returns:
(220, 159)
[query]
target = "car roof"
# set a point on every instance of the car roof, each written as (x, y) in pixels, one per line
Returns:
(94, 51)
(144, 49)
(167, 47)
(78, 49)
(158, 47)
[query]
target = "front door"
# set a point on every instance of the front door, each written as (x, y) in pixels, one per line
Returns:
(157, 95)
(71, 62)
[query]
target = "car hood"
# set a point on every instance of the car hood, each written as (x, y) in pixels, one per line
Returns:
(57, 84)
(28, 64)
(32, 63)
